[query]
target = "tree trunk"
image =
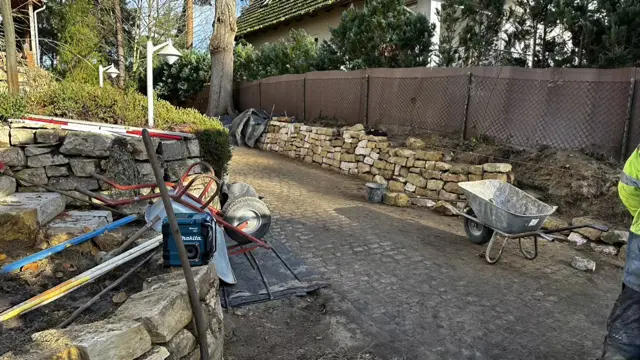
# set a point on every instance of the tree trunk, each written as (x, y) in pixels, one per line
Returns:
(221, 48)
(120, 43)
(189, 21)
(10, 44)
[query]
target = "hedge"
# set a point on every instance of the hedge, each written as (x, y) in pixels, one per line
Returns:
(114, 106)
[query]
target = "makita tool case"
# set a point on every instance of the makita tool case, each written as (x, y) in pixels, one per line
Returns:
(199, 237)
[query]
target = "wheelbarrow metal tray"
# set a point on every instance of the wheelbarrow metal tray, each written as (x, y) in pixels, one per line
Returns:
(504, 207)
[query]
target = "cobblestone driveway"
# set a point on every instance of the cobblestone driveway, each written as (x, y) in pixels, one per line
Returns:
(416, 287)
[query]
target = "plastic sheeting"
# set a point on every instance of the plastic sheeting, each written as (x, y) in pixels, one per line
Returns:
(247, 127)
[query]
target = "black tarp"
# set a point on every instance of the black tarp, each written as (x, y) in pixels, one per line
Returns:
(247, 127)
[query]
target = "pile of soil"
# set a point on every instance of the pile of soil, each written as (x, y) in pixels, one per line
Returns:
(16, 333)
(579, 183)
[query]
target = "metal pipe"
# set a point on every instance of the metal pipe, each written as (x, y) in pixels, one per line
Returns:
(78, 281)
(17, 265)
(182, 252)
(121, 279)
(35, 18)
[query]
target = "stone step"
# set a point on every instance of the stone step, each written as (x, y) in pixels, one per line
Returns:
(21, 214)
(79, 222)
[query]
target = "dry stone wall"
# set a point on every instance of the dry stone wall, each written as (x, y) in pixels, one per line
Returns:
(154, 324)
(65, 159)
(410, 170)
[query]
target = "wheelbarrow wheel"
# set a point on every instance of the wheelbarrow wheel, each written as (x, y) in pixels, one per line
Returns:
(251, 215)
(476, 232)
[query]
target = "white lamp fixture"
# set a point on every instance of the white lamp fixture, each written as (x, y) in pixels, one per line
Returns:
(170, 54)
(110, 70)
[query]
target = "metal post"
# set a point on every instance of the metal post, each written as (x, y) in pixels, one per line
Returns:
(366, 100)
(150, 83)
(260, 94)
(466, 108)
(627, 121)
(100, 72)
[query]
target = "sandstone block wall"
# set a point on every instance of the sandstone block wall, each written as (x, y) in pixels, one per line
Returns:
(155, 323)
(350, 150)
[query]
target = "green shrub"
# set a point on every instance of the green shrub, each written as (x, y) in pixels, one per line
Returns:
(11, 106)
(296, 54)
(114, 106)
(181, 81)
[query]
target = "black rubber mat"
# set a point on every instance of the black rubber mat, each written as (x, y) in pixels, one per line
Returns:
(251, 288)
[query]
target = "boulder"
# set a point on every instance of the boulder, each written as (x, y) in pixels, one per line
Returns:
(22, 136)
(442, 166)
(5, 141)
(53, 171)
(34, 176)
(395, 199)
(604, 249)
(7, 186)
(103, 340)
(34, 150)
(429, 155)
(47, 160)
(163, 313)
(416, 180)
(614, 237)
(181, 344)
(173, 150)
(395, 186)
(46, 205)
(87, 144)
(583, 264)
(577, 239)
(476, 169)
(13, 156)
(423, 202)
(497, 167)
(589, 233)
(205, 278)
(156, 353)
(415, 143)
(78, 222)
(444, 208)
(83, 167)
(70, 183)
(49, 136)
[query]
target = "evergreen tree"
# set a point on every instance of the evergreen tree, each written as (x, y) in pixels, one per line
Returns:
(383, 34)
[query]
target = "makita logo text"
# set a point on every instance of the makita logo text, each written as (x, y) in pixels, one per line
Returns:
(191, 238)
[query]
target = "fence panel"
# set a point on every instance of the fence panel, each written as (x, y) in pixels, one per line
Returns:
(341, 98)
(419, 104)
(561, 113)
(247, 95)
(284, 95)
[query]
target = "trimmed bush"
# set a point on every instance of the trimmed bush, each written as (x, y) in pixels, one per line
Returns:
(113, 106)
(11, 106)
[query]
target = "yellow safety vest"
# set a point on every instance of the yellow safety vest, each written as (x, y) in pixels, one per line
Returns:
(629, 189)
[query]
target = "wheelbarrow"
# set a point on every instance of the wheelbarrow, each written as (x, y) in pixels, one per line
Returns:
(496, 208)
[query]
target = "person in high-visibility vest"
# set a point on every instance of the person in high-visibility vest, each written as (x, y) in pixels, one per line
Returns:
(623, 327)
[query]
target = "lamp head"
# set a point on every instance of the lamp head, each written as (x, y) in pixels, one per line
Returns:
(112, 71)
(169, 53)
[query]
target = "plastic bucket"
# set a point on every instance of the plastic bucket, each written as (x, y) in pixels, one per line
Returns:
(375, 192)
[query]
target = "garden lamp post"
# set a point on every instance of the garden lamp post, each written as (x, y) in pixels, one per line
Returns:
(110, 70)
(170, 54)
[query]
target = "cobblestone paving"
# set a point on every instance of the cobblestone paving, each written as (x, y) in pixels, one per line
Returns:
(416, 287)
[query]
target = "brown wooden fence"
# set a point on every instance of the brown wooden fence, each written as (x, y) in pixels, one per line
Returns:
(590, 109)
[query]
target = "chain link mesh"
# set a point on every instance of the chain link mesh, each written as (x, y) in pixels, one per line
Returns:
(562, 114)
(584, 115)
(340, 99)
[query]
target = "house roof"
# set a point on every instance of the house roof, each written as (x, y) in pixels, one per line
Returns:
(259, 16)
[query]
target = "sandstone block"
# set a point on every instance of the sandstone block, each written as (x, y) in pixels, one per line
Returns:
(476, 169)
(453, 188)
(22, 136)
(156, 353)
(135, 146)
(70, 183)
(497, 167)
(435, 184)
(5, 140)
(495, 176)
(614, 237)
(447, 196)
(416, 180)
(35, 176)
(442, 166)
(459, 169)
(409, 187)
(415, 143)
(7, 186)
(583, 264)
(395, 186)
(49, 136)
(34, 150)
(429, 155)
(604, 249)
(591, 234)
(431, 174)
(181, 344)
